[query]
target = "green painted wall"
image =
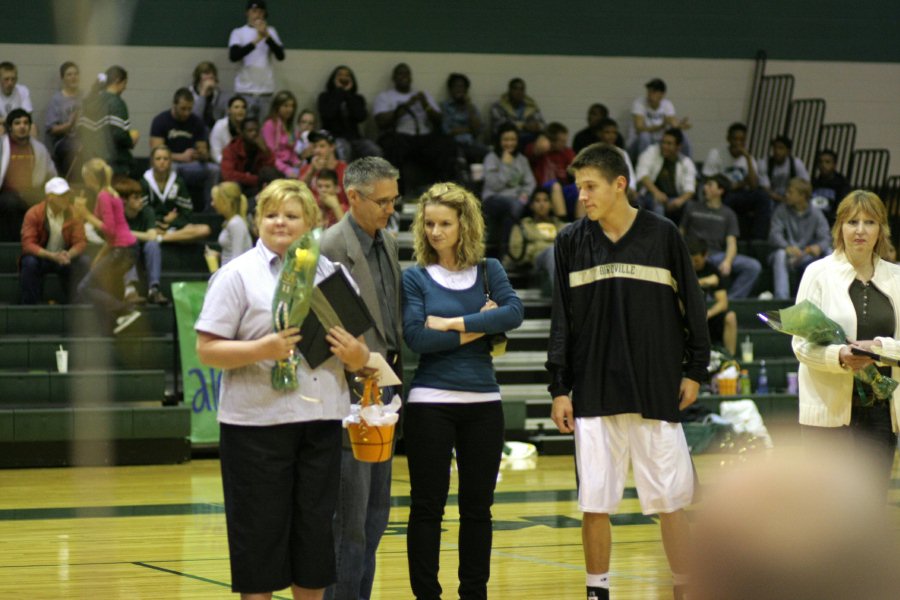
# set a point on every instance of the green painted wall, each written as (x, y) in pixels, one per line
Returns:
(830, 30)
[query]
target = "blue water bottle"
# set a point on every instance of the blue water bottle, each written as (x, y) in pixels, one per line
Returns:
(762, 385)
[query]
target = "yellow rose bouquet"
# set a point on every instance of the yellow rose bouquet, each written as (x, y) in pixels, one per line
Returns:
(293, 296)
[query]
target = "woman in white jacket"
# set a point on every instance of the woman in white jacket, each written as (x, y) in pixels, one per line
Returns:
(859, 290)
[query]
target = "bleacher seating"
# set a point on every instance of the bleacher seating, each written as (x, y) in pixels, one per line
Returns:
(115, 405)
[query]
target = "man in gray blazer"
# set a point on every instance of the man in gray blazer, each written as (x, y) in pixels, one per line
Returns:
(359, 242)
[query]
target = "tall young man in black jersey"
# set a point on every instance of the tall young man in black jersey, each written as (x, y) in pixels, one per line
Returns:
(629, 347)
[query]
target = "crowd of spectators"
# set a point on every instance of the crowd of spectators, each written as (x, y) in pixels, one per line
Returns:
(252, 132)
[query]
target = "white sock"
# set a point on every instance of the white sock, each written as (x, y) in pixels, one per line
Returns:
(600, 580)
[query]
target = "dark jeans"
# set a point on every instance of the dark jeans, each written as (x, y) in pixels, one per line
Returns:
(431, 431)
(869, 431)
(364, 504)
(12, 213)
(33, 269)
(502, 212)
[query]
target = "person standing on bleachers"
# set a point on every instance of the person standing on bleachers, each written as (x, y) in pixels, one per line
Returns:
(104, 127)
(360, 243)
(61, 118)
(104, 286)
(25, 165)
(628, 349)
(53, 241)
(253, 45)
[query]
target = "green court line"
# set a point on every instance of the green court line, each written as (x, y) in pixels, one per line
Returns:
(210, 508)
(195, 577)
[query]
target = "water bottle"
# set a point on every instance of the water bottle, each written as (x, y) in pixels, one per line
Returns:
(762, 385)
(744, 383)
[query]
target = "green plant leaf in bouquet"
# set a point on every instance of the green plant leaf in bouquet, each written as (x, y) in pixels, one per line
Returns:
(293, 295)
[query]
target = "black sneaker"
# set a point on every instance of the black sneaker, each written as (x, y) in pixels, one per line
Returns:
(597, 593)
(157, 297)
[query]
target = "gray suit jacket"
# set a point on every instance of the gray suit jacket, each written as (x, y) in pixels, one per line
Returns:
(340, 244)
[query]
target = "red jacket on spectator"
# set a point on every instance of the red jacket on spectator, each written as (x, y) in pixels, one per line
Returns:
(234, 163)
(550, 166)
(36, 231)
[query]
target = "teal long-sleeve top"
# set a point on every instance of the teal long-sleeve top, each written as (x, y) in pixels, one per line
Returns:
(443, 362)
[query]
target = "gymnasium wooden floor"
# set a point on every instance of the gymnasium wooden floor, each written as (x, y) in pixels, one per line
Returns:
(159, 532)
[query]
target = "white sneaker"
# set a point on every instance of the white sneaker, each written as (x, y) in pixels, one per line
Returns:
(767, 295)
(125, 320)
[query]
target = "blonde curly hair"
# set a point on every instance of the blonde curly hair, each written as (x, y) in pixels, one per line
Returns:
(470, 247)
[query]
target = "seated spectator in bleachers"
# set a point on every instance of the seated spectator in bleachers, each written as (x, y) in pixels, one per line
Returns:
(666, 176)
(209, 100)
(142, 222)
(722, 322)
(410, 125)
(234, 239)
(531, 241)
(609, 134)
(25, 165)
(227, 128)
(508, 183)
(590, 134)
(746, 194)
(829, 186)
(717, 225)
(343, 111)
(52, 242)
(104, 127)
(651, 116)
(516, 107)
(166, 193)
(280, 135)
(104, 285)
(331, 209)
(550, 157)
(13, 94)
(306, 124)
(781, 167)
(799, 234)
(62, 117)
(245, 156)
(187, 138)
(253, 45)
(324, 157)
(462, 121)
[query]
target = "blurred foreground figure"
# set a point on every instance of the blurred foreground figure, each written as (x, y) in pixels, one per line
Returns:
(810, 526)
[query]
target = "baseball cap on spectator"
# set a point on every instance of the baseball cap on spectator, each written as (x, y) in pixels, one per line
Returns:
(321, 134)
(56, 186)
(656, 84)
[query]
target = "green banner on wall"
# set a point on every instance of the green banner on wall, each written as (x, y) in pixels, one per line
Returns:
(199, 382)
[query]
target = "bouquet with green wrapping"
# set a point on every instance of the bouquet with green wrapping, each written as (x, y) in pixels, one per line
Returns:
(806, 320)
(293, 296)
